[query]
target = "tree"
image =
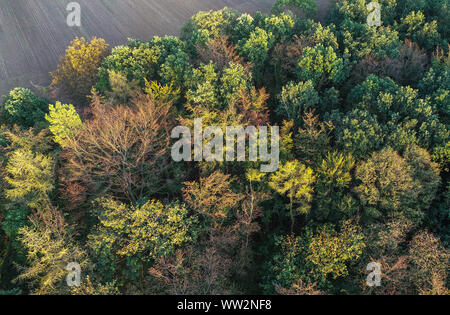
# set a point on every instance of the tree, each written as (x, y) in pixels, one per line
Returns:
(407, 69)
(436, 84)
(30, 176)
(308, 7)
(295, 180)
(430, 264)
(50, 248)
(391, 186)
(224, 97)
(296, 100)
(235, 79)
(121, 91)
(314, 140)
(387, 245)
(256, 49)
(206, 25)
(401, 106)
(135, 61)
(281, 25)
(357, 132)
(24, 108)
(173, 66)
(212, 197)
(221, 251)
(203, 87)
(438, 218)
(321, 65)
(425, 173)
(221, 52)
(333, 187)
(77, 69)
(14, 220)
(362, 40)
(121, 150)
(331, 250)
(415, 28)
(290, 264)
(64, 122)
(139, 234)
(163, 59)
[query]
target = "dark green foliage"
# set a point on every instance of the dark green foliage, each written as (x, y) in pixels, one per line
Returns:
(308, 7)
(333, 200)
(357, 132)
(24, 108)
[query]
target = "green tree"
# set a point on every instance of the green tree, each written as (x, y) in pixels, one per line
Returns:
(206, 25)
(331, 251)
(361, 40)
(425, 173)
(24, 108)
(140, 234)
(235, 79)
(281, 26)
(163, 59)
(136, 61)
(321, 65)
(256, 49)
(308, 7)
(204, 87)
(296, 100)
(333, 187)
(393, 186)
(121, 91)
(402, 107)
(357, 132)
(415, 27)
(314, 140)
(290, 265)
(436, 84)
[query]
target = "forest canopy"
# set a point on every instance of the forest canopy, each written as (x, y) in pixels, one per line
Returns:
(86, 173)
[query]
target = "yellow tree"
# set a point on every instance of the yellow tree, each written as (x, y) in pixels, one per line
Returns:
(50, 247)
(64, 122)
(294, 180)
(77, 69)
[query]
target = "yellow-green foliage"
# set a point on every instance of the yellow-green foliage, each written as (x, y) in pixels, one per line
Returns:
(295, 180)
(331, 250)
(64, 122)
(149, 230)
(163, 93)
(31, 177)
(49, 250)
